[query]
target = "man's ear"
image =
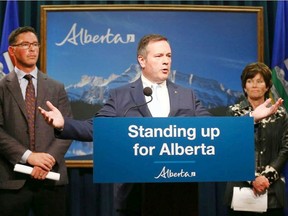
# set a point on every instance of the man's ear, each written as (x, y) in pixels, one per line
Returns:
(141, 61)
(11, 52)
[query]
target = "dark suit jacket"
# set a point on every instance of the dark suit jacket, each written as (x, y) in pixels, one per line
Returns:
(14, 128)
(183, 102)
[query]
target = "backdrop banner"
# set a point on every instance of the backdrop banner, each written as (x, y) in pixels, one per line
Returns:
(183, 149)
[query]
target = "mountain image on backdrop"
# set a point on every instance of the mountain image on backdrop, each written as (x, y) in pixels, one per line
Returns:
(91, 92)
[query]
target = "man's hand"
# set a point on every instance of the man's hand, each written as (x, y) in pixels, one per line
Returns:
(52, 117)
(43, 160)
(266, 109)
(39, 173)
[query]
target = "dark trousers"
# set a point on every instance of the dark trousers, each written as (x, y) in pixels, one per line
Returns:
(270, 212)
(157, 199)
(43, 200)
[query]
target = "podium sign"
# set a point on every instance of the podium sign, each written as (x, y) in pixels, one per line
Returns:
(177, 149)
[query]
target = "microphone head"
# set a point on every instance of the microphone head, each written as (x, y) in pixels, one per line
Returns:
(147, 91)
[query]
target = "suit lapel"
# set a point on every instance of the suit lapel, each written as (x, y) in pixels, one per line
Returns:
(14, 89)
(136, 89)
(41, 90)
(173, 97)
(138, 97)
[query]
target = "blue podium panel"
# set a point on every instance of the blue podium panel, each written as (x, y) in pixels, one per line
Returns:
(182, 149)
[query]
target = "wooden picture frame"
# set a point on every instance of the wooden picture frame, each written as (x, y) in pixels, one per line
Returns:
(82, 44)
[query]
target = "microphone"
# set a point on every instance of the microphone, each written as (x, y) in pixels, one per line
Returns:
(147, 91)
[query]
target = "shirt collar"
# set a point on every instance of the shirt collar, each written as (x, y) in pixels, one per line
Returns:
(20, 74)
(148, 83)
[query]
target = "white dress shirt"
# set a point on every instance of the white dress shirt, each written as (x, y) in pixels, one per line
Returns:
(160, 105)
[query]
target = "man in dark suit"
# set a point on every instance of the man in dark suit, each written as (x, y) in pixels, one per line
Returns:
(29, 142)
(154, 56)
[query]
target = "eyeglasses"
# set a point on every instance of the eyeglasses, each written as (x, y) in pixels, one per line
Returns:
(27, 45)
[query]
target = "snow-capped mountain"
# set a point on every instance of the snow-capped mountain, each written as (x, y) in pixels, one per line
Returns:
(94, 90)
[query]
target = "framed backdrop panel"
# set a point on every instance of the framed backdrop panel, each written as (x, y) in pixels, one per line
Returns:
(92, 48)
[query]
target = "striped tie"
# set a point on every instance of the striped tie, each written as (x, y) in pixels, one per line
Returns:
(30, 106)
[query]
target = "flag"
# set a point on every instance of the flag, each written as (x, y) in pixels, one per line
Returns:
(11, 22)
(279, 63)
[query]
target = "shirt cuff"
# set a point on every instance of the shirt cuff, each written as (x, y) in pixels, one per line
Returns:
(25, 156)
(250, 115)
(271, 174)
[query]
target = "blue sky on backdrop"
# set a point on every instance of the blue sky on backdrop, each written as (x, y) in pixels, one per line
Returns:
(209, 44)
